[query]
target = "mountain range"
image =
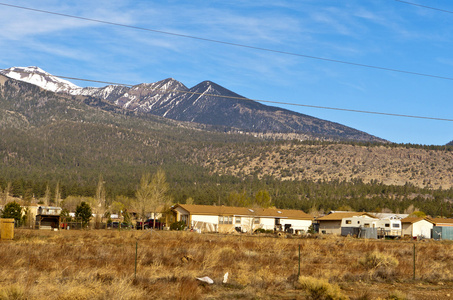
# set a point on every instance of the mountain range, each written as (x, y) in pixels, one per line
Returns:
(206, 103)
(50, 138)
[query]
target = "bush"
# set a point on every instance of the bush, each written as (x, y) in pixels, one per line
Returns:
(380, 265)
(13, 210)
(83, 213)
(15, 292)
(180, 225)
(321, 289)
(377, 259)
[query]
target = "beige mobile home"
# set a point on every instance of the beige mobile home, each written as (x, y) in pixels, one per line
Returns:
(207, 218)
(331, 223)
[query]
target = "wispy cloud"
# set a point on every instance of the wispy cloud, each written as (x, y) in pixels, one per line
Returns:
(370, 32)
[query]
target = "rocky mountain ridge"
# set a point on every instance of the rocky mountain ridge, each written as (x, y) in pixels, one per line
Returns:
(206, 103)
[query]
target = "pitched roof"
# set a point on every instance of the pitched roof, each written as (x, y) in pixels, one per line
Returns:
(22, 202)
(244, 211)
(413, 220)
(338, 216)
(389, 215)
(442, 221)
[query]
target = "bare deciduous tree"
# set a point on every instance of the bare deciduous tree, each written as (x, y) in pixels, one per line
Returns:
(159, 194)
(100, 207)
(143, 197)
(5, 194)
(152, 195)
(57, 194)
(47, 195)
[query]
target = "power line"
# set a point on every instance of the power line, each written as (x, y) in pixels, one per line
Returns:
(425, 6)
(232, 44)
(87, 80)
(163, 90)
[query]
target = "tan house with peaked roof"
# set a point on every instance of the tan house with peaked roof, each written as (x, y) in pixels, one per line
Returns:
(331, 223)
(241, 219)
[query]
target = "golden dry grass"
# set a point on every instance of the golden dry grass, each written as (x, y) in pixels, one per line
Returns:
(100, 264)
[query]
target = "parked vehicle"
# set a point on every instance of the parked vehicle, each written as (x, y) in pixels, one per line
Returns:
(149, 224)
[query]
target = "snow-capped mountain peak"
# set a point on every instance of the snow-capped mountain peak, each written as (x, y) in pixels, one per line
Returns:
(41, 78)
(206, 103)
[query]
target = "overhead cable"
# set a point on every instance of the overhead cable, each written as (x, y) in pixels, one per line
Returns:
(231, 43)
(425, 6)
(163, 90)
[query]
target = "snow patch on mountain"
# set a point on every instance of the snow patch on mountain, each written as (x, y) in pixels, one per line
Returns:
(41, 78)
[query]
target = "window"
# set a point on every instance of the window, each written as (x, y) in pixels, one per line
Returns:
(348, 221)
(387, 225)
(256, 220)
(367, 225)
(238, 220)
(396, 225)
(225, 219)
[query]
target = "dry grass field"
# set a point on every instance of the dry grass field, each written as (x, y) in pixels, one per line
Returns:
(100, 264)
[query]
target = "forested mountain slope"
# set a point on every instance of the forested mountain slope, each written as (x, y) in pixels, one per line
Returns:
(48, 138)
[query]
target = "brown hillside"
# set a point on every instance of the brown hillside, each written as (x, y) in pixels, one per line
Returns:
(389, 165)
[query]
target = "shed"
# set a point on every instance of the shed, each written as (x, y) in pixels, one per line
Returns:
(443, 229)
(417, 227)
(48, 217)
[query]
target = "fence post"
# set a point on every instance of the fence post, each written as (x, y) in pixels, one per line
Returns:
(136, 250)
(298, 274)
(414, 264)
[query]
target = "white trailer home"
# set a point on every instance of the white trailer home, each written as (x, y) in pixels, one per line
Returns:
(332, 222)
(359, 221)
(389, 228)
(241, 219)
(360, 226)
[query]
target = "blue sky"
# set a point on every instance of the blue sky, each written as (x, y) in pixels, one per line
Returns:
(384, 33)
